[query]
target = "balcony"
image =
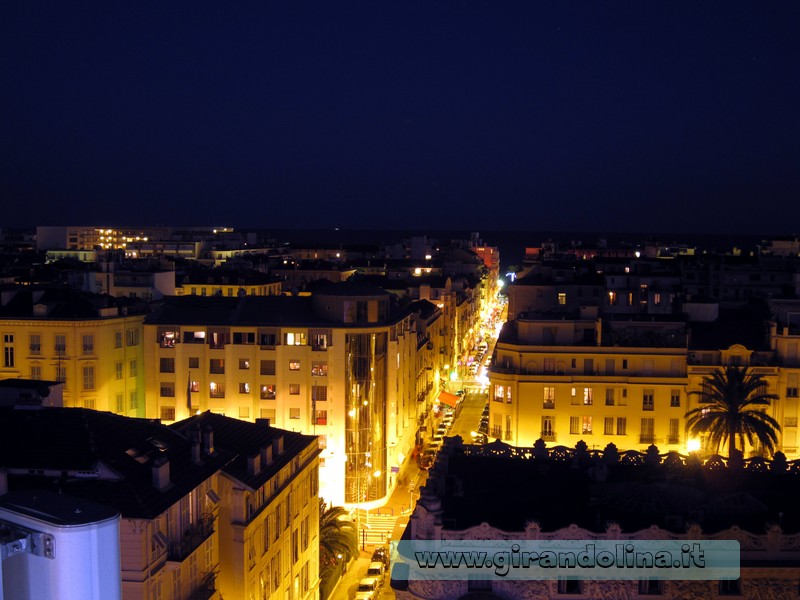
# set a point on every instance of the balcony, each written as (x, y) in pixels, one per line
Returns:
(549, 404)
(206, 588)
(647, 438)
(497, 432)
(195, 535)
(673, 439)
(548, 436)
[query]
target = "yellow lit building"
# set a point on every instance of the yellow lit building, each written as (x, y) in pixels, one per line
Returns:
(64, 336)
(340, 364)
(228, 284)
(269, 509)
(556, 380)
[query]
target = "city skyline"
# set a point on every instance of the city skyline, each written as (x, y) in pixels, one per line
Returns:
(648, 117)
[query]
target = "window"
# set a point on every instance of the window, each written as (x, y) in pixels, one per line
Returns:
(730, 587)
(8, 350)
(194, 362)
(624, 363)
(294, 365)
(499, 393)
(647, 366)
(35, 344)
(216, 366)
(294, 389)
(194, 386)
(586, 425)
(588, 366)
(295, 338)
(675, 398)
(319, 393)
(294, 413)
(216, 389)
(244, 387)
(319, 368)
(609, 396)
(268, 413)
(244, 337)
(574, 425)
(319, 341)
(549, 365)
(608, 426)
(36, 371)
(194, 337)
(244, 364)
(167, 413)
(132, 337)
(167, 389)
(791, 385)
(120, 401)
(587, 395)
(268, 367)
(88, 377)
(166, 365)
(622, 425)
(88, 344)
(548, 429)
(569, 587)
(610, 366)
(168, 337)
(321, 417)
(61, 373)
(267, 338)
(647, 435)
(268, 392)
(648, 399)
(132, 368)
(549, 399)
(60, 345)
(117, 339)
(562, 298)
(674, 427)
(133, 400)
(244, 412)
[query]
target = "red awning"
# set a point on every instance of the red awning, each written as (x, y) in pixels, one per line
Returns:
(448, 398)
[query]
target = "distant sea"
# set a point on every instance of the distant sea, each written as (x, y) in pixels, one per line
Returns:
(512, 244)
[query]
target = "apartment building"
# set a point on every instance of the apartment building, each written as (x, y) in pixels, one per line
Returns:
(164, 485)
(91, 343)
(582, 379)
(340, 364)
(269, 508)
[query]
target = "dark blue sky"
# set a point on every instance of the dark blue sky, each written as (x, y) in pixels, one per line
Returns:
(541, 115)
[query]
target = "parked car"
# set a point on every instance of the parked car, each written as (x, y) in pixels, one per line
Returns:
(377, 571)
(367, 589)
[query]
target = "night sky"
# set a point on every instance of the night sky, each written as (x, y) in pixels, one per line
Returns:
(536, 115)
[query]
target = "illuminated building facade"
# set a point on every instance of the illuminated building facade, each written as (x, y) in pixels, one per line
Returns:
(340, 364)
(269, 508)
(88, 342)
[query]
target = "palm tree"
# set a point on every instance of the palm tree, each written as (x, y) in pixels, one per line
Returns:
(732, 401)
(337, 535)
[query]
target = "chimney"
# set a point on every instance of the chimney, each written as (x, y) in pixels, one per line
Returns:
(254, 464)
(266, 455)
(208, 440)
(277, 446)
(161, 473)
(194, 437)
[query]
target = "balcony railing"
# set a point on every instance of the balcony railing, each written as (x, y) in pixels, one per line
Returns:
(497, 432)
(548, 436)
(549, 404)
(673, 439)
(195, 535)
(647, 438)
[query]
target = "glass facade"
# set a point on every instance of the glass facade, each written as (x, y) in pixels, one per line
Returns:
(365, 422)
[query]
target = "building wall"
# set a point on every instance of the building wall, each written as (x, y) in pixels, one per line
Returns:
(108, 374)
(595, 394)
(270, 536)
(301, 375)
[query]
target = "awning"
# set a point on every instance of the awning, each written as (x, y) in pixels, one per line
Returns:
(448, 398)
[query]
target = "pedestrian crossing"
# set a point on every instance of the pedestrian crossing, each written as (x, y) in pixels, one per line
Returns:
(378, 528)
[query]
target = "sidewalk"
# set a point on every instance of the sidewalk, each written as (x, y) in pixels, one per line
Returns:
(399, 504)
